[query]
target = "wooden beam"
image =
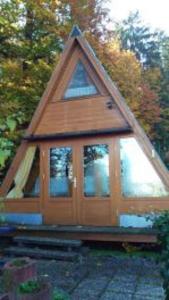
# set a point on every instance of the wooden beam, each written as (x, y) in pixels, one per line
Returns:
(89, 229)
(78, 134)
(91, 233)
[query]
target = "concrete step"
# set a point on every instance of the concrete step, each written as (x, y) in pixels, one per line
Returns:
(41, 253)
(23, 239)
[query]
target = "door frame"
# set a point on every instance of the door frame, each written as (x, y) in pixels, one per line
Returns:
(54, 206)
(81, 205)
(89, 202)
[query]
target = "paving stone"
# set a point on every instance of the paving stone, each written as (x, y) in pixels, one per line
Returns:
(90, 289)
(65, 275)
(129, 270)
(105, 278)
(141, 297)
(151, 280)
(103, 269)
(126, 277)
(149, 290)
(121, 286)
(116, 296)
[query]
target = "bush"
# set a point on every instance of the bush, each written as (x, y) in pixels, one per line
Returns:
(59, 295)
(162, 225)
(30, 287)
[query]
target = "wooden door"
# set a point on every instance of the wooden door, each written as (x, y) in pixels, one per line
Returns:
(59, 203)
(96, 182)
(79, 180)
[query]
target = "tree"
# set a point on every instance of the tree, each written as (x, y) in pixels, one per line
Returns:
(91, 15)
(140, 39)
(126, 71)
(29, 46)
(162, 140)
(152, 50)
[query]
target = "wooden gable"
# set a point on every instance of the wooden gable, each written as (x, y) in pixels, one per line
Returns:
(93, 112)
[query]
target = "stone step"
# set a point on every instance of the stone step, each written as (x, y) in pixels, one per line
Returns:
(23, 239)
(41, 253)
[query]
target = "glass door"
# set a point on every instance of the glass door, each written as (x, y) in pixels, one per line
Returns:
(60, 183)
(96, 178)
(79, 182)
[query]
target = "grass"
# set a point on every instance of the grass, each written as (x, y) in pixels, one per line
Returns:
(120, 253)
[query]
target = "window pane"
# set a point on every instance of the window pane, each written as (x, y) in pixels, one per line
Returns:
(26, 182)
(80, 84)
(61, 172)
(96, 171)
(138, 176)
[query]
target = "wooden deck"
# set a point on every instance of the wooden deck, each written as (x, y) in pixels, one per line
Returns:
(95, 233)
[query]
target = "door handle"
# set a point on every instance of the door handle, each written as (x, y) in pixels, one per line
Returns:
(74, 182)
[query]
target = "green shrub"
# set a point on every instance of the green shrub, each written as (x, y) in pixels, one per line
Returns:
(29, 287)
(59, 295)
(162, 225)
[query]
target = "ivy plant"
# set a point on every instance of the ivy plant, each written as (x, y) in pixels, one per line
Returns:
(9, 133)
(162, 225)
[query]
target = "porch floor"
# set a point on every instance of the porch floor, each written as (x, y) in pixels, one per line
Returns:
(98, 233)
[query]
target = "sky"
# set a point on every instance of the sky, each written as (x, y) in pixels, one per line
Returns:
(153, 12)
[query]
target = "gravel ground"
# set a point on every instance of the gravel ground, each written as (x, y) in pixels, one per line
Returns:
(106, 278)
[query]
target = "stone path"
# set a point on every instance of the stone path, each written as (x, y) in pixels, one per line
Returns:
(106, 278)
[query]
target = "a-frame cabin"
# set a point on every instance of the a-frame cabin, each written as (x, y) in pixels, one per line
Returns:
(84, 160)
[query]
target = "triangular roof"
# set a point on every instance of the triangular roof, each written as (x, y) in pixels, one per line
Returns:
(76, 37)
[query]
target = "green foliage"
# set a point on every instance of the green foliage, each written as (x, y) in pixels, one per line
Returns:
(162, 140)
(59, 295)
(8, 137)
(162, 224)
(152, 50)
(11, 124)
(140, 39)
(30, 287)
(19, 262)
(6, 126)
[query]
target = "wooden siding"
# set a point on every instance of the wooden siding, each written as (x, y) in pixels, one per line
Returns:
(22, 205)
(79, 115)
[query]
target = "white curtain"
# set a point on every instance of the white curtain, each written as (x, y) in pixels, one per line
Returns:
(22, 174)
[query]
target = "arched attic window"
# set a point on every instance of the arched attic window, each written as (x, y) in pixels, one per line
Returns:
(80, 84)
